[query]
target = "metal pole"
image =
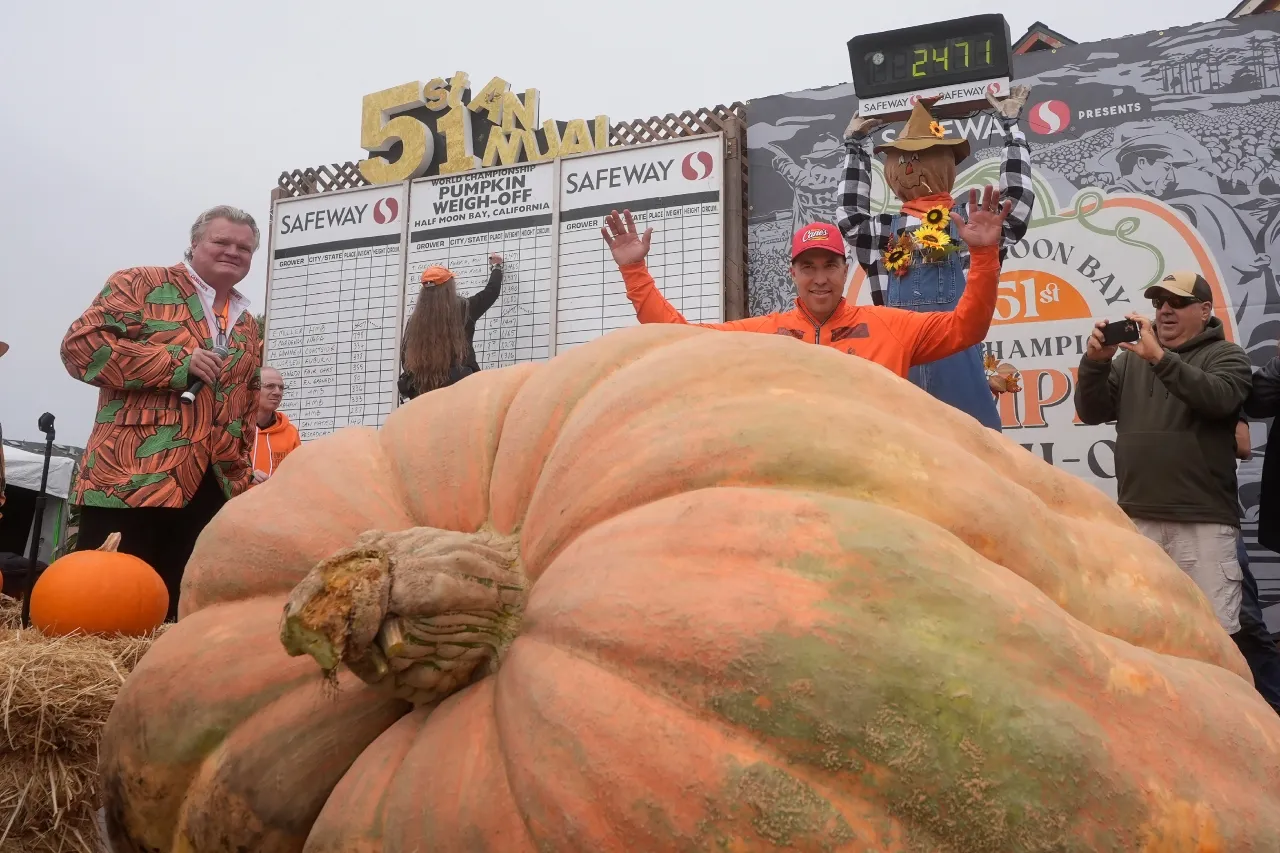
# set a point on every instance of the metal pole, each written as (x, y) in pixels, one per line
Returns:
(46, 426)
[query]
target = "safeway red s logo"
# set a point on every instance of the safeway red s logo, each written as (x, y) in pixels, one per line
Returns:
(385, 210)
(1050, 117)
(697, 166)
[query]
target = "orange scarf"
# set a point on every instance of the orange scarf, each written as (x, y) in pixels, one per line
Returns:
(918, 207)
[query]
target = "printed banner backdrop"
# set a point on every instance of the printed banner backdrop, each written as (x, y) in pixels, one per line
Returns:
(1152, 152)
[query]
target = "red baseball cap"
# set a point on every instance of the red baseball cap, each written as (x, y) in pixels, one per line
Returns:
(817, 236)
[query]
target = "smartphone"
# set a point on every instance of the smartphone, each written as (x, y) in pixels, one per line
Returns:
(1120, 332)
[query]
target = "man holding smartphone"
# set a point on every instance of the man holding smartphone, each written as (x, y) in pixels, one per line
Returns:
(1175, 394)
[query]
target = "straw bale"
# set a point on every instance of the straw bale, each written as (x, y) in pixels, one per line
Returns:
(55, 695)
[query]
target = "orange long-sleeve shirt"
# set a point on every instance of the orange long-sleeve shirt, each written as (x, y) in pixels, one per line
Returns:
(892, 337)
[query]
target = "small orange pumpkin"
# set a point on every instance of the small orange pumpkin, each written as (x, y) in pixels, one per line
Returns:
(99, 592)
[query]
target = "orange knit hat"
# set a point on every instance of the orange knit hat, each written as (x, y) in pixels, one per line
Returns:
(436, 275)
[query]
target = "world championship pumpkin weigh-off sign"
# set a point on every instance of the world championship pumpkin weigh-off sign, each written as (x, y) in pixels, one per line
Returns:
(456, 178)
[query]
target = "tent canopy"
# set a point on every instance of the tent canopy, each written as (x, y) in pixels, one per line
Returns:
(23, 468)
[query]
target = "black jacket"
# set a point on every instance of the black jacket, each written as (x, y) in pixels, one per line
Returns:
(1264, 402)
(475, 307)
(1175, 426)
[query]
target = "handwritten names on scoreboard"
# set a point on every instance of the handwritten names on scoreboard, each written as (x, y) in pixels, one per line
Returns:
(332, 304)
(672, 188)
(458, 221)
(346, 266)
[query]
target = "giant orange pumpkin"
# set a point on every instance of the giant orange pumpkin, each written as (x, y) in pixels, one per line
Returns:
(686, 590)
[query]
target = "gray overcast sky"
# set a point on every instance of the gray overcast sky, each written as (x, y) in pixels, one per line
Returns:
(119, 122)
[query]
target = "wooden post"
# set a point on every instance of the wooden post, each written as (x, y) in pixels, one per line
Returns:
(735, 222)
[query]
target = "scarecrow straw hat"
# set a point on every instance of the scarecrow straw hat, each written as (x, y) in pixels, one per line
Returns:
(923, 132)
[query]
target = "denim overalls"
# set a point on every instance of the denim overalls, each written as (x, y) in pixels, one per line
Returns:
(960, 379)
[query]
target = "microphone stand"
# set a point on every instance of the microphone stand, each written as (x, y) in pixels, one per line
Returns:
(46, 426)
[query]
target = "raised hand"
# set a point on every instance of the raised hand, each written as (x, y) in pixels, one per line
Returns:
(627, 245)
(859, 126)
(1011, 105)
(986, 221)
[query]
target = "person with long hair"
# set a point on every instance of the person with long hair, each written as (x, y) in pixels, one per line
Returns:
(438, 345)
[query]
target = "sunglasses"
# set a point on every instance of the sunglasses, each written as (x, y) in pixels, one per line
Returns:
(1177, 303)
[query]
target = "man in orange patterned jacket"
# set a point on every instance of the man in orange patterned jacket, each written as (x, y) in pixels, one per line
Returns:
(157, 469)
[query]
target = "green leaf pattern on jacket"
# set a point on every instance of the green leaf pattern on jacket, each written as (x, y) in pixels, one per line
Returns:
(196, 307)
(151, 326)
(164, 439)
(107, 414)
(181, 374)
(94, 497)
(137, 481)
(166, 294)
(101, 356)
(110, 322)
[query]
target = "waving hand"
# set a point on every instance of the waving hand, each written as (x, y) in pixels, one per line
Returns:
(986, 222)
(628, 246)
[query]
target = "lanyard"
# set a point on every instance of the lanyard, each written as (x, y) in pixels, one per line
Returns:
(221, 317)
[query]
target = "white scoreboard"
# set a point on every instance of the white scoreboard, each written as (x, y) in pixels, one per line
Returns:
(345, 266)
(674, 189)
(458, 221)
(333, 300)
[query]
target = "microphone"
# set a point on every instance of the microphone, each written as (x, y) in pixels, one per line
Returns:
(189, 395)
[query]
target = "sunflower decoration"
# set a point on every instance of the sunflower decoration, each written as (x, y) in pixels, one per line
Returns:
(898, 258)
(931, 241)
(937, 218)
(937, 129)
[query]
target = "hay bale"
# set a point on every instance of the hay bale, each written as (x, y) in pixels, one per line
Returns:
(55, 695)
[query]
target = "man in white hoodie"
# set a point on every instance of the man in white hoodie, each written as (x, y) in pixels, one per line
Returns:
(276, 436)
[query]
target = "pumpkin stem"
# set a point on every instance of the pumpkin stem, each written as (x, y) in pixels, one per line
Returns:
(111, 544)
(423, 611)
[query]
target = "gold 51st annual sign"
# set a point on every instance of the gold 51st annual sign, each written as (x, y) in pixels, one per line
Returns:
(413, 130)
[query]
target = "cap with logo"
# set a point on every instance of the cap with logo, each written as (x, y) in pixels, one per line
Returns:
(817, 236)
(1189, 284)
(436, 275)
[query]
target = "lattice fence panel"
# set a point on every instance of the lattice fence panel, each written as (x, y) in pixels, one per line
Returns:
(676, 125)
(321, 179)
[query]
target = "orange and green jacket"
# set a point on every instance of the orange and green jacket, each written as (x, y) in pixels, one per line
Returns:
(892, 337)
(134, 342)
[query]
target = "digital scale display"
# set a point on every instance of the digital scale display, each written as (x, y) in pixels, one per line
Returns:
(932, 61)
(959, 61)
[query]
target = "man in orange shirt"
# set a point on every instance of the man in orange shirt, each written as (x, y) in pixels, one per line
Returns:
(276, 436)
(892, 337)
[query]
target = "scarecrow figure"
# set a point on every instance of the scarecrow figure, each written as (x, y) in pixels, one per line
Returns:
(914, 259)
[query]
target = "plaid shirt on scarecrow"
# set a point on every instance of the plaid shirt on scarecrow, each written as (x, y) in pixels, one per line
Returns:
(870, 236)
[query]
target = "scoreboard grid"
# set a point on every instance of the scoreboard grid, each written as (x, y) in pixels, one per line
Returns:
(560, 286)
